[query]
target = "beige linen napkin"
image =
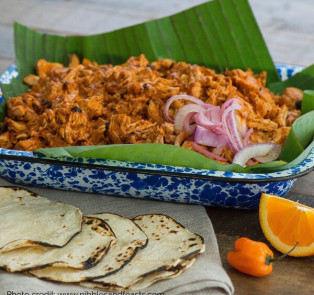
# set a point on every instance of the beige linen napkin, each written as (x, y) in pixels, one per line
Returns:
(206, 276)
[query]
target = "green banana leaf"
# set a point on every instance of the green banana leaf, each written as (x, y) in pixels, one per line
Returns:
(308, 101)
(219, 34)
(303, 80)
(163, 154)
(300, 136)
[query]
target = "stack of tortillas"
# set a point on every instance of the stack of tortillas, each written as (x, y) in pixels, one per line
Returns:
(54, 241)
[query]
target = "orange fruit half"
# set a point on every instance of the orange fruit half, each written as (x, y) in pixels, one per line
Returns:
(285, 222)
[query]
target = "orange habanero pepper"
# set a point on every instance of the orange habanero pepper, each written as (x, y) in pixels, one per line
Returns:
(253, 258)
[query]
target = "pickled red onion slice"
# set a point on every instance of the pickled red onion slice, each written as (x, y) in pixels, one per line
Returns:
(260, 151)
(220, 127)
(178, 97)
(207, 153)
(183, 112)
(207, 137)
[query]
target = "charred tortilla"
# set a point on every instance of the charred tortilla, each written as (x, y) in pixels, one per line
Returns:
(27, 219)
(163, 275)
(129, 238)
(83, 251)
(145, 281)
(52, 241)
(169, 244)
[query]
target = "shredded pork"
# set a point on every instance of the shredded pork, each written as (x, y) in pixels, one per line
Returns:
(89, 104)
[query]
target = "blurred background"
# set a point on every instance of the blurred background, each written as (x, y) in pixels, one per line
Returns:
(287, 25)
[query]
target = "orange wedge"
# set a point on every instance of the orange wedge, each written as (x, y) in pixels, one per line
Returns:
(285, 223)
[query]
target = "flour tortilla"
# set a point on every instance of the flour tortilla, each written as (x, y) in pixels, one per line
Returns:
(145, 281)
(169, 244)
(162, 275)
(83, 251)
(129, 238)
(27, 219)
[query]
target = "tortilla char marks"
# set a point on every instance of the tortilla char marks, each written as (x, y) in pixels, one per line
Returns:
(132, 232)
(134, 224)
(162, 257)
(192, 245)
(31, 243)
(192, 254)
(18, 189)
(27, 243)
(172, 268)
(173, 232)
(88, 221)
(97, 255)
(167, 225)
(162, 218)
(155, 235)
(187, 255)
(102, 228)
(129, 250)
(110, 272)
(121, 256)
(99, 226)
(162, 275)
(118, 256)
(109, 287)
(195, 242)
(32, 194)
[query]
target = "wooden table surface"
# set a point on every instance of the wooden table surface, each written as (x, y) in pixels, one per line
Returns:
(287, 27)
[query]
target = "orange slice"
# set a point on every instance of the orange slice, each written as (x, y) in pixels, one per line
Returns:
(285, 222)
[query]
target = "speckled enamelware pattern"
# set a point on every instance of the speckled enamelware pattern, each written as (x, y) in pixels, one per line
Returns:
(150, 181)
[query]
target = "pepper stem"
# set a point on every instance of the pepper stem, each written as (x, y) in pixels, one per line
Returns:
(269, 259)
